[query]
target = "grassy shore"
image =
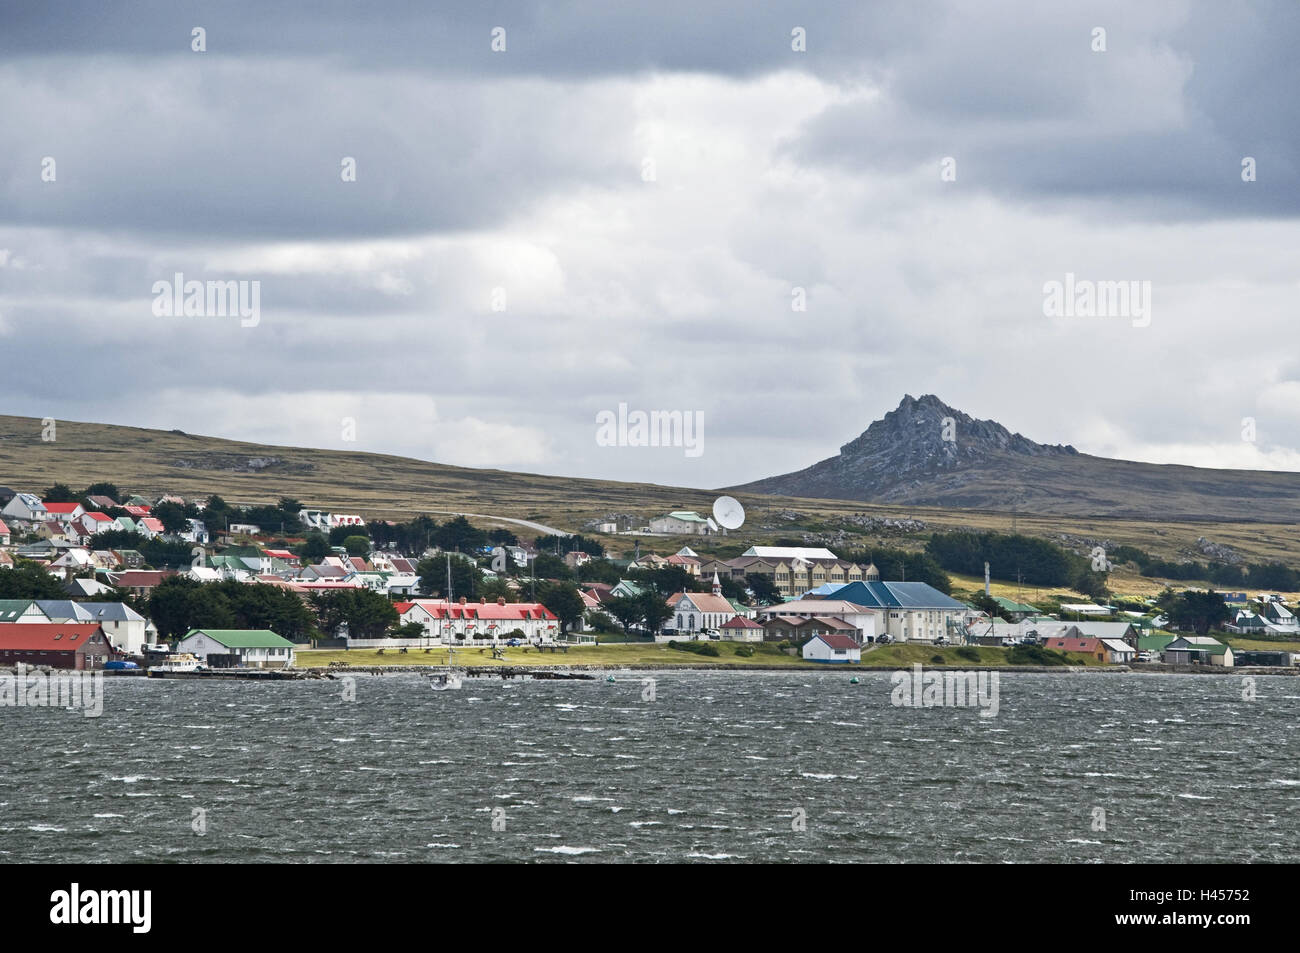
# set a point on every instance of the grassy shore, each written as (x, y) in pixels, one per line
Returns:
(905, 656)
(1259, 645)
(765, 655)
(660, 655)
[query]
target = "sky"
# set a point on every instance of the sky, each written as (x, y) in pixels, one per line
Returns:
(776, 219)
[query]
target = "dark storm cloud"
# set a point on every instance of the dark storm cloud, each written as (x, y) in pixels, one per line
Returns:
(588, 38)
(1155, 128)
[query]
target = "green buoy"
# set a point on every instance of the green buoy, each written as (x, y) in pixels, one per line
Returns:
(853, 680)
(610, 678)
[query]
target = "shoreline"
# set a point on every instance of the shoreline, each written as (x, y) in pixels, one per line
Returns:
(839, 667)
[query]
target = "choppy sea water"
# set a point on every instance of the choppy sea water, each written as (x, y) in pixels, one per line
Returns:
(720, 766)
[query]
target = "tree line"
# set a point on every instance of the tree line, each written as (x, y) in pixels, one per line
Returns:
(1013, 556)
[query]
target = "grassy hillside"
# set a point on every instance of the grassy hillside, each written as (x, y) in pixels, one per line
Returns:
(383, 486)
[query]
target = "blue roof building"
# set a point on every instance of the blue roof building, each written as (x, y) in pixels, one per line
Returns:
(911, 611)
(886, 595)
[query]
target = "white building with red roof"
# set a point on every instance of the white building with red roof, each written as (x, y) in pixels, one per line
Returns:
(832, 648)
(65, 512)
(740, 629)
(480, 621)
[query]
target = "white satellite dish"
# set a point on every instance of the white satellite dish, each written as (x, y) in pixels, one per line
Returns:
(728, 512)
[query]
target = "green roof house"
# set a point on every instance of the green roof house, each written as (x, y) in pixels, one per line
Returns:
(1014, 611)
(21, 610)
(238, 648)
(1198, 649)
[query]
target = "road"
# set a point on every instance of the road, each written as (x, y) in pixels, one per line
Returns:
(540, 527)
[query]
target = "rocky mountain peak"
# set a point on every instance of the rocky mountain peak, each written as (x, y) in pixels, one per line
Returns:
(925, 434)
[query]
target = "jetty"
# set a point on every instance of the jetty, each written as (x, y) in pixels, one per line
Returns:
(243, 674)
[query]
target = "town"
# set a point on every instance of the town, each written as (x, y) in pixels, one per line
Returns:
(108, 580)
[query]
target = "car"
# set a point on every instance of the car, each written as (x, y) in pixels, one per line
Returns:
(883, 639)
(941, 641)
(1146, 657)
(514, 643)
(1007, 642)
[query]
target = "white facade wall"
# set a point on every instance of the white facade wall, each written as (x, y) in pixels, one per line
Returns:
(201, 646)
(816, 650)
(919, 625)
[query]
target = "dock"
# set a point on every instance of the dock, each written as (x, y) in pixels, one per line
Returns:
(243, 674)
(519, 672)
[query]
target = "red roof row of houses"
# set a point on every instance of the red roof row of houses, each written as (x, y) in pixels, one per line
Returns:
(499, 611)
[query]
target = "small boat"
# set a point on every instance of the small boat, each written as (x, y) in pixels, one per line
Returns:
(448, 680)
(181, 662)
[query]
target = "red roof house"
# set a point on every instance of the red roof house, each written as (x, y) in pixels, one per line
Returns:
(75, 646)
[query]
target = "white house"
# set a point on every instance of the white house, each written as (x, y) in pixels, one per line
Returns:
(65, 513)
(73, 561)
(26, 507)
(127, 629)
(484, 622)
(1277, 614)
(196, 531)
(740, 629)
(832, 648)
(314, 519)
(402, 583)
(92, 523)
(21, 610)
(682, 522)
(245, 648)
